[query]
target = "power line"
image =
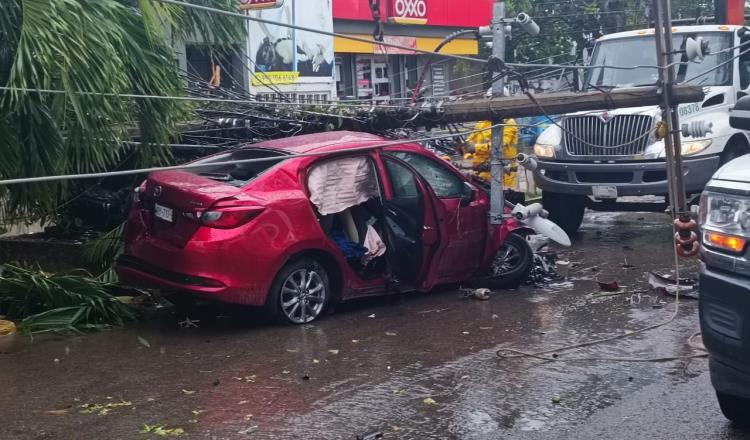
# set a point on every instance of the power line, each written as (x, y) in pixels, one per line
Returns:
(234, 162)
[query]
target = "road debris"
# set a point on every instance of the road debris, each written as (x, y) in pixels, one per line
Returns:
(161, 431)
(610, 286)
(688, 287)
(188, 392)
(556, 399)
(429, 401)
(144, 342)
(370, 436)
(103, 409)
(247, 379)
(188, 323)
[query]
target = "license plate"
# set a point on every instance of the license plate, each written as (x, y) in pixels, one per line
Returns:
(604, 191)
(164, 213)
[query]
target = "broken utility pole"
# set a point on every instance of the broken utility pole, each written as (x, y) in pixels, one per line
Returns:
(501, 107)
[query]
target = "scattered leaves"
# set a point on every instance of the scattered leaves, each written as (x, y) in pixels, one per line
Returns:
(188, 392)
(556, 399)
(161, 431)
(247, 379)
(391, 334)
(57, 412)
(355, 341)
(242, 402)
(248, 417)
(144, 342)
(103, 409)
(334, 352)
(315, 361)
(429, 401)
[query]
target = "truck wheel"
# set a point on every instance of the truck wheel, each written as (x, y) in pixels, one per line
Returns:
(565, 210)
(733, 151)
(734, 408)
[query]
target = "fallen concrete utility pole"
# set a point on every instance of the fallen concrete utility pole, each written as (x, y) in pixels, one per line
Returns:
(563, 102)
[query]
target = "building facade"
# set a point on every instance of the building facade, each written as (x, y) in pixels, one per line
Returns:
(278, 63)
(366, 71)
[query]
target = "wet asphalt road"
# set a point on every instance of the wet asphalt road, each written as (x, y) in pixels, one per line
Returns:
(423, 367)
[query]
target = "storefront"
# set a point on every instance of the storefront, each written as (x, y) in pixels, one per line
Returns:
(368, 71)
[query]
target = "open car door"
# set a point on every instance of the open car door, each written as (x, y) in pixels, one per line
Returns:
(411, 224)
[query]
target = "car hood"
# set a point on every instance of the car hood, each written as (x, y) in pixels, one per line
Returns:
(737, 170)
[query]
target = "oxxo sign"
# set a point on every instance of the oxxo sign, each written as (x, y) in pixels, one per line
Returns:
(407, 11)
(260, 4)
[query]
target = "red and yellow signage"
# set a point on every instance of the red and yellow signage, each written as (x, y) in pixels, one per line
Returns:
(259, 4)
(407, 11)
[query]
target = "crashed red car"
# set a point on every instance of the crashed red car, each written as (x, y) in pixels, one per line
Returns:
(296, 233)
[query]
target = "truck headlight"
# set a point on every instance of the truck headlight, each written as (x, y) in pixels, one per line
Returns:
(694, 147)
(542, 150)
(725, 220)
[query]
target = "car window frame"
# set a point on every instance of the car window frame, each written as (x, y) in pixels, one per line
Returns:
(439, 164)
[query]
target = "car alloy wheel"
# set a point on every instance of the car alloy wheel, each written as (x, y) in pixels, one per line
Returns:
(303, 295)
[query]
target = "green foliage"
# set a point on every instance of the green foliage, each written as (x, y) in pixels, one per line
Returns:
(96, 47)
(572, 24)
(59, 302)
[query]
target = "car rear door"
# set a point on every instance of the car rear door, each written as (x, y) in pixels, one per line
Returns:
(411, 223)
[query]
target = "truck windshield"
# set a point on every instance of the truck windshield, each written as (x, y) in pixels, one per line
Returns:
(713, 71)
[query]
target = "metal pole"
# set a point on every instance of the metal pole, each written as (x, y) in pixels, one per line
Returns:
(664, 82)
(497, 197)
(680, 193)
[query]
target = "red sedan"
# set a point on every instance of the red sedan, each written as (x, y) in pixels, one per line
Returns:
(294, 233)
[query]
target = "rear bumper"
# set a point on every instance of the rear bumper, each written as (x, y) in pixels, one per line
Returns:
(136, 272)
(631, 178)
(725, 326)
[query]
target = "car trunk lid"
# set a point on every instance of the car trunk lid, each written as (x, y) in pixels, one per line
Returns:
(168, 195)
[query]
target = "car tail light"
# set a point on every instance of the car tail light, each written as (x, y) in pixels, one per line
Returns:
(138, 192)
(224, 216)
(724, 241)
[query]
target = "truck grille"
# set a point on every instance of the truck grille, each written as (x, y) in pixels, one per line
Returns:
(629, 131)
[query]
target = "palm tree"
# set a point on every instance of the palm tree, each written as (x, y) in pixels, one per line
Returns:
(88, 50)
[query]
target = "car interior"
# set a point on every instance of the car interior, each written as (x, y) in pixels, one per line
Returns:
(239, 174)
(372, 235)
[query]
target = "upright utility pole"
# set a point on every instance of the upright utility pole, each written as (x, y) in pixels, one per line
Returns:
(497, 197)
(670, 119)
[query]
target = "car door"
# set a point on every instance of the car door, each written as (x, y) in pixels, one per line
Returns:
(411, 228)
(462, 217)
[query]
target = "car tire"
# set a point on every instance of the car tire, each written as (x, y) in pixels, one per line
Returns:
(565, 210)
(299, 293)
(517, 248)
(734, 408)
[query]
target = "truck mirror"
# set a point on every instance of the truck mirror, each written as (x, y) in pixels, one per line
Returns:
(739, 116)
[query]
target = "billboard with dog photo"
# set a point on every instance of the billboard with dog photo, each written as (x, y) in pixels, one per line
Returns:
(282, 55)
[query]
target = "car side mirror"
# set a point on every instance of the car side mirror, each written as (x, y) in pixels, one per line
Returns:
(468, 193)
(739, 116)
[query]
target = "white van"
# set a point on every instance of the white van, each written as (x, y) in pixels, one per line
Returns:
(594, 159)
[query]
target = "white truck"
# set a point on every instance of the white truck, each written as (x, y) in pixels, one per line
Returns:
(596, 160)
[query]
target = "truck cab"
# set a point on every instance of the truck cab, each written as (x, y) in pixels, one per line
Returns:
(597, 159)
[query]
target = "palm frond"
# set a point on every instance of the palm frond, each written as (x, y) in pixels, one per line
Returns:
(59, 302)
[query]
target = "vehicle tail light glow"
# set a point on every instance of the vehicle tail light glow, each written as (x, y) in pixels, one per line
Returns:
(724, 241)
(222, 216)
